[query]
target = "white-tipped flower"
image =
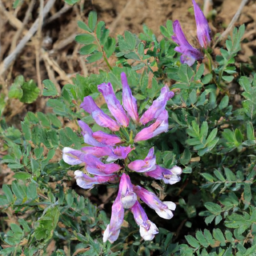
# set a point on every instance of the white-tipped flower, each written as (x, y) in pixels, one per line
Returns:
(163, 209)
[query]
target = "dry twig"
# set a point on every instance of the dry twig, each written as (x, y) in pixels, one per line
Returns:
(9, 59)
(38, 45)
(24, 23)
(117, 19)
(56, 15)
(233, 21)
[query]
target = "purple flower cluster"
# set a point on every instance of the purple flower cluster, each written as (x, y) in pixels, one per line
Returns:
(189, 54)
(100, 158)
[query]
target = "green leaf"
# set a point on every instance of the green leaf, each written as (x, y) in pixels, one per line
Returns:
(211, 136)
(209, 237)
(16, 3)
(245, 83)
(30, 92)
(47, 223)
(17, 190)
(208, 177)
(22, 175)
(192, 241)
(224, 102)
(26, 130)
(193, 97)
(219, 175)
(95, 57)
(130, 39)
(85, 38)
(199, 72)
(92, 20)
(209, 219)
(185, 157)
(247, 194)
(230, 175)
(227, 78)
(49, 88)
(110, 46)
(43, 119)
(250, 131)
(71, 1)
(207, 78)
(201, 238)
(8, 193)
(164, 31)
(15, 91)
(213, 208)
(88, 49)
(204, 130)
(83, 26)
(139, 66)
(218, 235)
(169, 27)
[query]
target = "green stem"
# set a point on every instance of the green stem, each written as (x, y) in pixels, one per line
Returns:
(104, 54)
(106, 60)
(209, 57)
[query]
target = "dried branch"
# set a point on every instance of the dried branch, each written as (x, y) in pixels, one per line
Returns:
(233, 21)
(9, 59)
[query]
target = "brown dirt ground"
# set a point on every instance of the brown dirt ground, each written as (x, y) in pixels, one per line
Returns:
(53, 47)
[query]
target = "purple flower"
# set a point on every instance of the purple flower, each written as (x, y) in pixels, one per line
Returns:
(163, 209)
(148, 229)
(107, 157)
(71, 156)
(203, 30)
(117, 216)
(146, 165)
(105, 138)
(74, 157)
(98, 115)
(98, 138)
(113, 103)
(87, 182)
(96, 167)
(158, 106)
(171, 176)
(119, 153)
(188, 53)
(159, 126)
(129, 102)
(128, 197)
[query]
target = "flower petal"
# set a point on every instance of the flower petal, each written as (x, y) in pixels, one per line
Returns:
(113, 103)
(129, 102)
(96, 167)
(159, 126)
(119, 153)
(105, 138)
(88, 135)
(98, 115)
(128, 197)
(146, 165)
(117, 216)
(154, 202)
(189, 53)
(149, 234)
(148, 229)
(87, 182)
(71, 156)
(158, 106)
(203, 30)
(169, 176)
(97, 151)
